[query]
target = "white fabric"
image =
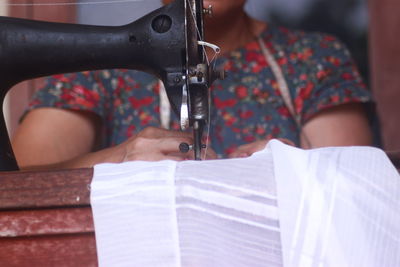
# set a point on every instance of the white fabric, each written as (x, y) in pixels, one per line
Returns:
(337, 207)
(227, 213)
(208, 213)
(134, 214)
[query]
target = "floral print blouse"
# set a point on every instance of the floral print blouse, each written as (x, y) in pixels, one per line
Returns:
(246, 106)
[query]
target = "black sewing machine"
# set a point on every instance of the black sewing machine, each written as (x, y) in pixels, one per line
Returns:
(165, 42)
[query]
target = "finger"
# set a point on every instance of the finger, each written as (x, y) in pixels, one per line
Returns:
(242, 151)
(152, 152)
(248, 149)
(239, 153)
(153, 157)
(142, 148)
(169, 145)
(286, 141)
(154, 132)
(257, 146)
(186, 156)
(171, 157)
(175, 158)
(210, 153)
(207, 154)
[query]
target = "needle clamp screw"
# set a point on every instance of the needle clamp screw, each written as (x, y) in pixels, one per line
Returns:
(185, 147)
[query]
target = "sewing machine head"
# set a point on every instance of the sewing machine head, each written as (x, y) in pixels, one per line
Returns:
(167, 42)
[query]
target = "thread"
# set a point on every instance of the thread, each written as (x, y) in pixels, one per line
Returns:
(73, 3)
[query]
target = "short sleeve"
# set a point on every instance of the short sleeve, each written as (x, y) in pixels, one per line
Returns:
(325, 75)
(76, 91)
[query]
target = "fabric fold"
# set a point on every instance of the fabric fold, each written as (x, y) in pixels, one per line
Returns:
(283, 206)
(134, 214)
(337, 206)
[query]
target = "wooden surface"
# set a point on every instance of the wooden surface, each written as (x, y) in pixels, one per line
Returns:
(25, 190)
(46, 219)
(385, 58)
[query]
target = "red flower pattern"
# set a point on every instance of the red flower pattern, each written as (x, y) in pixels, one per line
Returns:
(247, 106)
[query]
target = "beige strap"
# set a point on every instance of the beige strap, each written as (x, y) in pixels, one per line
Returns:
(283, 89)
(282, 84)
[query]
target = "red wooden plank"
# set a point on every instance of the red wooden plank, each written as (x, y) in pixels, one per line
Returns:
(46, 222)
(58, 250)
(21, 190)
(35, 233)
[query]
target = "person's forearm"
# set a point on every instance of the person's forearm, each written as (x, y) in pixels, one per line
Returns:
(344, 125)
(151, 144)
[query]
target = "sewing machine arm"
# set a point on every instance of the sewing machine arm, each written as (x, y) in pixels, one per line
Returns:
(164, 43)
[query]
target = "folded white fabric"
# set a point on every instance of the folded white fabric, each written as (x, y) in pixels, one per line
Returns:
(134, 215)
(208, 213)
(337, 207)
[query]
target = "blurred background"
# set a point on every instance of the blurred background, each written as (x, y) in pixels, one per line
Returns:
(347, 19)
(368, 28)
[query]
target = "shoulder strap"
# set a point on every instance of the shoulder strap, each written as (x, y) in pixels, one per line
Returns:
(282, 84)
(284, 89)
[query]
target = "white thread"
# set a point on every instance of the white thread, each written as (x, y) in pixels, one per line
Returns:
(214, 47)
(197, 29)
(74, 3)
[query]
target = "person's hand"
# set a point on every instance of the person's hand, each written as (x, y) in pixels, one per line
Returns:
(154, 144)
(71, 143)
(247, 150)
